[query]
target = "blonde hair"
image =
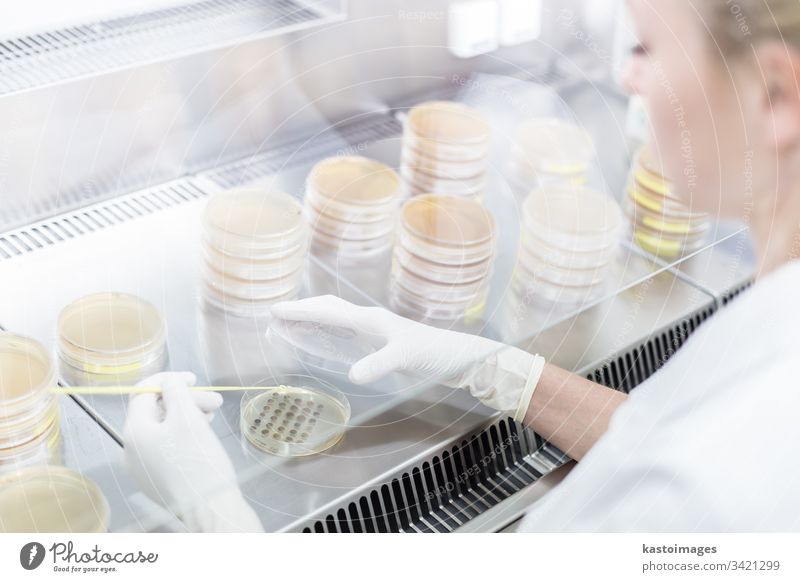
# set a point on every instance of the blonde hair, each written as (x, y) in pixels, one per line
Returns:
(736, 25)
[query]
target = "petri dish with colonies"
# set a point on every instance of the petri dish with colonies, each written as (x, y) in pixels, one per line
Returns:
(110, 338)
(29, 412)
(51, 500)
(297, 416)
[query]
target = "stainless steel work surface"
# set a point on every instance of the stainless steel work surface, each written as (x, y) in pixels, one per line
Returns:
(396, 421)
(90, 450)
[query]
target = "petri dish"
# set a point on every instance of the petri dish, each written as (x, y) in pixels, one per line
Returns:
(553, 146)
(573, 217)
(422, 183)
(555, 294)
(51, 500)
(536, 247)
(354, 181)
(420, 309)
(350, 229)
(110, 338)
(242, 306)
(246, 221)
(436, 123)
(570, 277)
(299, 416)
(26, 375)
(437, 291)
(255, 268)
(254, 288)
(332, 343)
(417, 161)
(443, 273)
(448, 221)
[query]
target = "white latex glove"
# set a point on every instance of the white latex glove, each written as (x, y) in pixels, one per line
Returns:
(177, 460)
(502, 377)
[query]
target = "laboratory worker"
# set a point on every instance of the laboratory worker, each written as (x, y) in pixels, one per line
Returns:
(711, 441)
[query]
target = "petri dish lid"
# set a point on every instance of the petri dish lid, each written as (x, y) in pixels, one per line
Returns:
(51, 500)
(254, 214)
(26, 373)
(572, 209)
(449, 122)
(354, 181)
(110, 326)
(448, 221)
(553, 145)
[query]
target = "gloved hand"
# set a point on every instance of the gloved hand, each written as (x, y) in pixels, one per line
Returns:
(502, 377)
(177, 460)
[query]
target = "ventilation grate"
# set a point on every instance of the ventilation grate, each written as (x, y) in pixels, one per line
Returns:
(79, 51)
(451, 488)
(93, 218)
(357, 134)
(635, 366)
(734, 293)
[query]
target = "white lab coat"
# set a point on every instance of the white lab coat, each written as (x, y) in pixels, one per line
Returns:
(711, 442)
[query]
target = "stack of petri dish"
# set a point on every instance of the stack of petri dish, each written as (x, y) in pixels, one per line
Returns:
(662, 224)
(51, 500)
(29, 418)
(549, 150)
(255, 246)
(351, 205)
(570, 238)
(108, 339)
(445, 150)
(443, 259)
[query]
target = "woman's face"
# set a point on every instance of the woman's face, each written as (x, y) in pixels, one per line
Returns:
(698, 115)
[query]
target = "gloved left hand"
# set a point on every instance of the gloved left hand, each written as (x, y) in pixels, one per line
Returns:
(179, 462)
(502, 377)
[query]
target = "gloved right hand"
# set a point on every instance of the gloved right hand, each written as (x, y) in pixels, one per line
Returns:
(501, 377)
(177, 460)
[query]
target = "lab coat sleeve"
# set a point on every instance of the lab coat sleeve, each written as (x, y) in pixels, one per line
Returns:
(499, 380)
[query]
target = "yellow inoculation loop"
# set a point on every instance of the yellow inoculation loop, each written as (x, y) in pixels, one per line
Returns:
(122, 390)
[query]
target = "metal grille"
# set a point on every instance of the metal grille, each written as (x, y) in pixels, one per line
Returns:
(630, 369)
(79, 51)
(734, 293)
(451, 488)
(355, 133)
(99, 216)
